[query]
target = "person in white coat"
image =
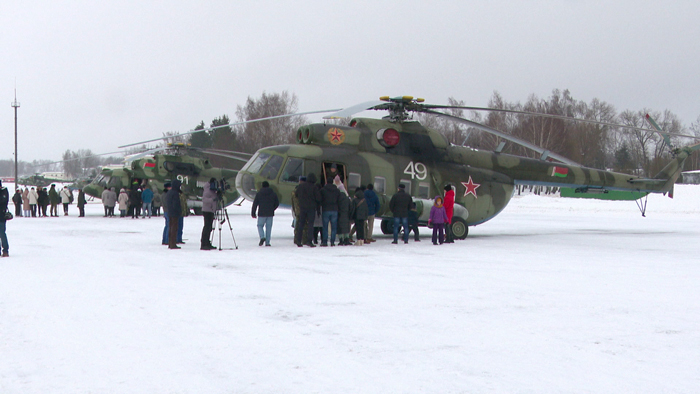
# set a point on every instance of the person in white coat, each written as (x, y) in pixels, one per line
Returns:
(66, 198)
(33, 200)
(123, 200)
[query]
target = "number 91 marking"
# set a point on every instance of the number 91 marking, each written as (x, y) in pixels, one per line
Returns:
(416, 171)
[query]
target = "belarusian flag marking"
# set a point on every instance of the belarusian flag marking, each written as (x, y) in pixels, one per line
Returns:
(560, 172)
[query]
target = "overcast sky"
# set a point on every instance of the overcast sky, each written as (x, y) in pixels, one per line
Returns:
(96, 75)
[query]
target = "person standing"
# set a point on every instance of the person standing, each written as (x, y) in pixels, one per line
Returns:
(17, 199)
(66, 198)
(147, 201)
(373, 206)
(166, 229)
(360, 213)
(105, 200)
(134, 202)
(265, 204)
(400, 204)
(449, 210)
(330, 195)
(309, 197)
(81, 203)
(123, 202)
(112, 200)
(296, 211)
(53, 199)
(172, 201)
(185, 211)
(157, 202)
(43, 201)
(25, 203)
(209, 202)
(33, 202)
(438, 218)
(344, 214)
(4, 200)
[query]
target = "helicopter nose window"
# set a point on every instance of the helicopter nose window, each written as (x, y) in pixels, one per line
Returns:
(256, 164)
(292, 170)
(272, 168)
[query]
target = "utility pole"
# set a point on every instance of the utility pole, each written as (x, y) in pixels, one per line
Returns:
(15, 105)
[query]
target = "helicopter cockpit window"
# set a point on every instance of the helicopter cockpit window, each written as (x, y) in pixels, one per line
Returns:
(379, 185)
(406, 183)
(272, 168)
(424, 190)
(257, 163)
(354, 181)
(292, 170)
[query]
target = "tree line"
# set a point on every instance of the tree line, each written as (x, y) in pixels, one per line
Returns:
(631, 151)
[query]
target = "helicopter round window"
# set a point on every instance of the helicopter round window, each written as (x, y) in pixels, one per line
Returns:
(388, 137)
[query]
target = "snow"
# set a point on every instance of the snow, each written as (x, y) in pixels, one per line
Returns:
(553, 295)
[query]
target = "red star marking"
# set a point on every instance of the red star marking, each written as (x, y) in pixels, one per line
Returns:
(470, 187)
(335, 135)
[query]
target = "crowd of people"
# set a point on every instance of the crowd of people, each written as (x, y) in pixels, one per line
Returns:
(327, 210)
(35, 201)
(331, 211)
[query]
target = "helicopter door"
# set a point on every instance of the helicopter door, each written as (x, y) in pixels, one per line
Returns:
(331, 169)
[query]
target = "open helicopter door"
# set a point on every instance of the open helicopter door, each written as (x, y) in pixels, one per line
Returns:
(331, 169)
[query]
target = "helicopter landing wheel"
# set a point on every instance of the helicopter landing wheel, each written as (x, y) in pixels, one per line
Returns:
(459, 228)
(387, 226)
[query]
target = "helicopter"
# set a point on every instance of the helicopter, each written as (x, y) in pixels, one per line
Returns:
(41, 180)
(397, 150)
(153, 169)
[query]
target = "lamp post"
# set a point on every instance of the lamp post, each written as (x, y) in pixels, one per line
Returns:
(15, 105)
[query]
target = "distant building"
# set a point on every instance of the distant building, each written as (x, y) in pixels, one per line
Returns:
(690, 177)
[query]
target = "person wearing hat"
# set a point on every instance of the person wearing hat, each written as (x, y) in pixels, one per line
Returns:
(166, 188)
(174, 204)
(399, 205)
(265, 204)
(17, 199)
(53, 199)
(4, 200)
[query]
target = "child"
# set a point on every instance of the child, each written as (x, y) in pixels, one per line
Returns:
(438, 218)
(413, 221)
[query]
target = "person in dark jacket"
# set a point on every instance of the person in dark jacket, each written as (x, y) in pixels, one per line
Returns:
(209, 204)
(413, 222)
(344, 213)
(43, 201)
(265, 203)
(309, 199)
(172, 201)
(53, 199)
(166, 229)
(17, 199)
(400, 204)
(373, 206)
(4, 201)
(134, 202)
(81, 203)
(330, 196)
(360, 214)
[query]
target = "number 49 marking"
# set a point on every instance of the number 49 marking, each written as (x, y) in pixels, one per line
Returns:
(417, 170)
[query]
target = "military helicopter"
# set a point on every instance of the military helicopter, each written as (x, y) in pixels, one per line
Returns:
(396, 150)
(41, 180)
(154, 168)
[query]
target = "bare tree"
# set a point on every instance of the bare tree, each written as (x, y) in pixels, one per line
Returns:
(255, 135)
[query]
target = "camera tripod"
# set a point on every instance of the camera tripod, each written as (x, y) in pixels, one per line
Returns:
(221, 217)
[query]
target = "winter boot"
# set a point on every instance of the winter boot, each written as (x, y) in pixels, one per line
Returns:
(359, 242)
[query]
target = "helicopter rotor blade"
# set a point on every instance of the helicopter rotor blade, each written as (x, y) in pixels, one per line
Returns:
(216, 152)
(538, 149)
(349, 111)
(512, 111)
(229, 125)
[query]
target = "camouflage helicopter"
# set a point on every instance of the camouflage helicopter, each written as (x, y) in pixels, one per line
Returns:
(396, 150)
(40, 180)
(155, 169)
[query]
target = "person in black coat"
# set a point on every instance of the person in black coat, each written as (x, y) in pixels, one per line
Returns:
(172, 201)
(4, 201)
(17, 199)
(360, 214)
(400, 204)
(265, 203)
(309, 199)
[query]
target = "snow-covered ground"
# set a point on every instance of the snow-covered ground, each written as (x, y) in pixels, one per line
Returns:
(553, 295)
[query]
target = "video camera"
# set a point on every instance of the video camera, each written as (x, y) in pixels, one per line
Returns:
(220, 186)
